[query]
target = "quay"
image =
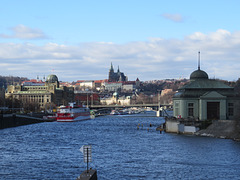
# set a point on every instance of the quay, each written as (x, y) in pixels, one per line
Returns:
(14, 120)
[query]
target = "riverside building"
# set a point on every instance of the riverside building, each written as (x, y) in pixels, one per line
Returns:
(204, 99)
(42, 94)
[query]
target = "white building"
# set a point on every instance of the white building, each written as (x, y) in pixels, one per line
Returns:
(87, 84)
(124, 100)
(112, 86)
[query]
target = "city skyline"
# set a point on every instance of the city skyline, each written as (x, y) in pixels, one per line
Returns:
(147, 39)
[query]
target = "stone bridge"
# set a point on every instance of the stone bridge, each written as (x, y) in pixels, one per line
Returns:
(154, 106)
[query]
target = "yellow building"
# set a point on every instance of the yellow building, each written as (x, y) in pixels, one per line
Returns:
(43, 94)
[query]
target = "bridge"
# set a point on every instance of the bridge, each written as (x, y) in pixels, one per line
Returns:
(154, 106)
(106, 109)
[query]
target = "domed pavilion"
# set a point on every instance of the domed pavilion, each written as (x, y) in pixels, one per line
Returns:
(203, 98)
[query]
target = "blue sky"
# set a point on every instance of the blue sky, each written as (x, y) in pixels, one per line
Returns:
(152, 39)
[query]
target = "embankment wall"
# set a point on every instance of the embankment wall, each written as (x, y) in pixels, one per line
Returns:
(228, 129)
(14, 121)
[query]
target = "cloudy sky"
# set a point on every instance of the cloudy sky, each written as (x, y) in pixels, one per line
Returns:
(147, 39)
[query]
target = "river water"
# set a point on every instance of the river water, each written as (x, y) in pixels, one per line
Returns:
(119, 151)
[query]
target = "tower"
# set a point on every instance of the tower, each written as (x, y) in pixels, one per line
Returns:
(111, 69)
(116, 76)
(111, 74)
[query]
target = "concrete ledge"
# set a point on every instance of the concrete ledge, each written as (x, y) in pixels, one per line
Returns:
(227, 129)
(88, 175)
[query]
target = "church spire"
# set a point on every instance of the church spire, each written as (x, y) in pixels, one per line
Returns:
(118, 69)
(198, 60)
(111, 69)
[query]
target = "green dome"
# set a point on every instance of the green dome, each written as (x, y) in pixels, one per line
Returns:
(198, 74)
(52, 78)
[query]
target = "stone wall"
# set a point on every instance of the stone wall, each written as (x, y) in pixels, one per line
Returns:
(228, 129)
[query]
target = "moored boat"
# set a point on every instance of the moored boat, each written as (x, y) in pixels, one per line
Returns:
(50, 118)
(118, 112)
(72, 113)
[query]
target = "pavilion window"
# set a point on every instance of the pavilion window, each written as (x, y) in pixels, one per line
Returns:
(230, 109)
(190, 109)
(176, 108)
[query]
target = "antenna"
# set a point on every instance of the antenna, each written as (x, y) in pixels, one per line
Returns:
(198, 60)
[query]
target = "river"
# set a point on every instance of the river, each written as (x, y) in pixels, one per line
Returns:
(119, 151)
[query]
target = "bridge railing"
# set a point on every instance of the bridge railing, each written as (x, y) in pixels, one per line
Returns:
(131, 105)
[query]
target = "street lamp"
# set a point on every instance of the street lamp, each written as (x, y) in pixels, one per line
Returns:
(159, 105)
(92, 99)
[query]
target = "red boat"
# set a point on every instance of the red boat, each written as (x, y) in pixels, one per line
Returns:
(72, 113)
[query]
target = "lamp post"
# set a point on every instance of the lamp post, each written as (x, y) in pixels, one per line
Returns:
(92, 99)
(87, 99)
(159, 105)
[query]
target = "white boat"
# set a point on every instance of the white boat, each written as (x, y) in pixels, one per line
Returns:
(50, 118)
(119, 112)
(72, 113)
(114, 112)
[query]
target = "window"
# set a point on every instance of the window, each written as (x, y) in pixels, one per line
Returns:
(230, 109)
(190, 109)
(176, 108)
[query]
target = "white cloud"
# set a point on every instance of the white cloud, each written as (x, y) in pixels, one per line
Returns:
(173, 17)
(157, 58)
(23, 32)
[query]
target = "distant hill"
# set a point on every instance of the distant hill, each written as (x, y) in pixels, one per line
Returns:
(11, 80)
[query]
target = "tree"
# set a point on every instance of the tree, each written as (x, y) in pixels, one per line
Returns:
(50, 106)
(31, 106)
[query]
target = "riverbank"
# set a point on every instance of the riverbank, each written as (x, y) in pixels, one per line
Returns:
(13, 120)
(226, 129)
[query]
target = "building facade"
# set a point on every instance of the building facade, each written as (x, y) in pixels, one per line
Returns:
(112, 86)
(86, 98)
(42, 95)
(86, 84)
(203, 98)
(115, 99)
(121, 86)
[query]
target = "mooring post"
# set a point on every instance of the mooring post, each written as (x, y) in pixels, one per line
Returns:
(87, 160)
